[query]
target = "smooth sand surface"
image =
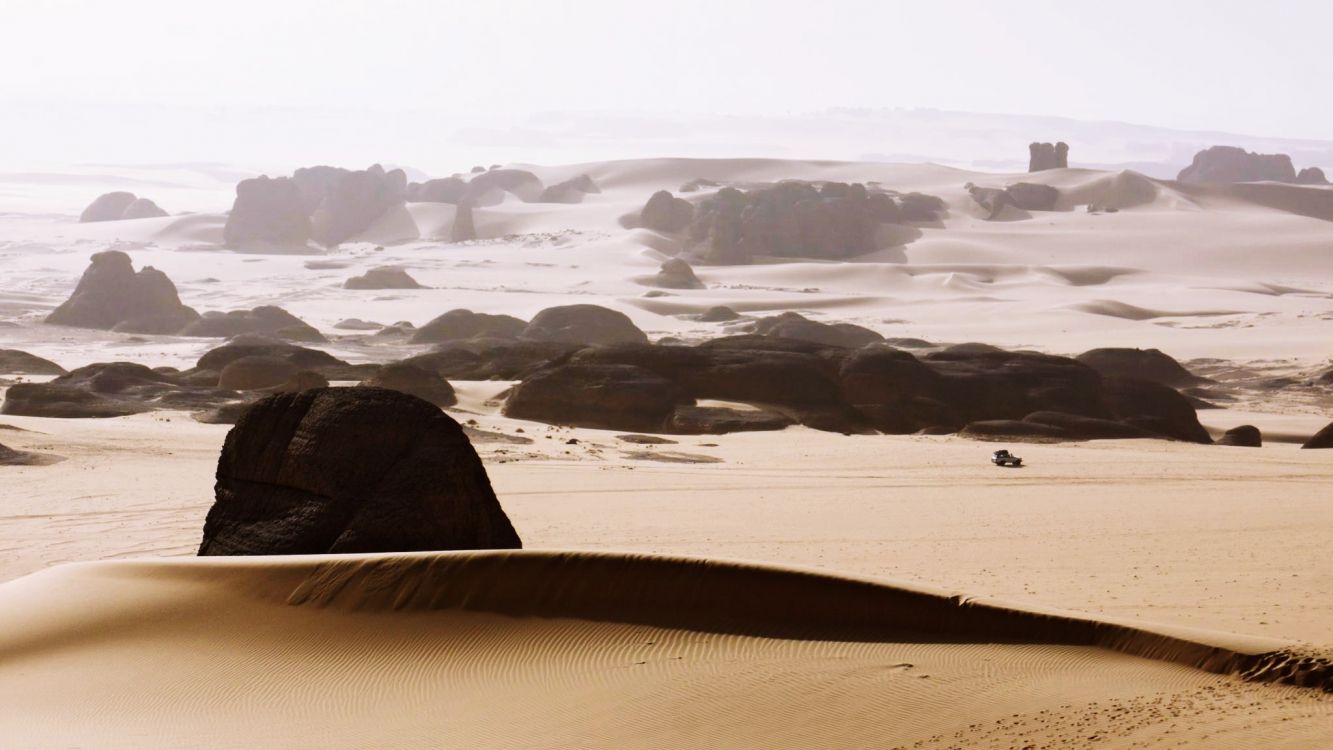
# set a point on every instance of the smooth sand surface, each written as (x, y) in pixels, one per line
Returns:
(631, 651)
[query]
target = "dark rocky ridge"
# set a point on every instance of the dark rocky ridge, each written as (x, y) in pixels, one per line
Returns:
(351, 470)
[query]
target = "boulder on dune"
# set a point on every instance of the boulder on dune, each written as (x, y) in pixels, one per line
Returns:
(1146, 364)
(256, 372)
(569, 191)
(1311, 176)
(676, 274)
(111, 389)
(607, 396)
(583, 324)
(791, 325)
(142, 208)
(267, 212)
(992, 200)
(305, 358)
(15, 362)
(351, 470)
(1031, 196)
(666, 213)
(1321, 439)
(385, 277)
(921, 207)
(718, 314)
(1225, 164)
(489, 187)
(414, 380)
(265, 319)
(461, 324)
(791, 219)
(111, 296)
(1244, 436)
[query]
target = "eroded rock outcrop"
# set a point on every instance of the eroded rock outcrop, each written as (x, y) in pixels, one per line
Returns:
(583, 324)
(120, 206)
(267, 212)
(569, 191)
(1043, 156)
(15, 362)
(265, 319)
(414, 380)
(666, 213)
(1311, 176)
(1244, 436)
(112, 296)
(386, 277)
(1322, 439)
(351, 470)
(113, 389)
(1223, 164)
(675, 273)
(791, 325)
(327, 204)
(1146, 364)
(457, 325)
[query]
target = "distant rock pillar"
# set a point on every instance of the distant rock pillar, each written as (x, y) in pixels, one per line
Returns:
(1061, 155)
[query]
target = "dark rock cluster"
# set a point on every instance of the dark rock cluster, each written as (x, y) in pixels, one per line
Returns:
(488, 186)
(1027, 196)
(329, 205)
(345, 470)
(112, 296)
(386, 277)
(120, 206)
(1043, 156)
(1225, 164)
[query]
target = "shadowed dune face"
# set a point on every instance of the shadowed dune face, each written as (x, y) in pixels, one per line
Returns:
(442, 650)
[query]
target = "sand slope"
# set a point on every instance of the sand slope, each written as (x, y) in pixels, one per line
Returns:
(539, 649)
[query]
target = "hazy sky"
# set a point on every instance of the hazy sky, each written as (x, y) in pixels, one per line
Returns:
(79, 67)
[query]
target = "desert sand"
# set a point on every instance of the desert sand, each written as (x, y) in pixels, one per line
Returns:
(1109, 594)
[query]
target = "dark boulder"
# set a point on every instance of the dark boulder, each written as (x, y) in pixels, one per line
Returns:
(107, 207)
(464, 324)
(1153, 407)
(1224, 164)
(666, 213)
(351, 470)
(302, 357)
(386, 277)
(583, 324)
(1321, 439)
(1145, 364)
(606, 396)
(256, 372)
(718, 314)
(414, 380)
(676, 274)
(15, 362)
(985, 383)
(266, 319)
(920, 207)
(267, 212)
(791, 325)
(111, 296)
(893, 389)
(1311, 176)
(1244, 436)
(492, 359)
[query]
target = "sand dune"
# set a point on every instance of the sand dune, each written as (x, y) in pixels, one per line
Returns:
(546, 649)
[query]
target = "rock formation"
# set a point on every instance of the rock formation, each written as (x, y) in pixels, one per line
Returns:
(373, 470)
(457, 325)
(446, 190)
(1311, 176)
(791, 325)
(569, 191)
(675, 273)
(353, 201)
(718, 314)
(15, 362)
(267, 212)
(256, 372)
(113, 389)
(1321, 439)
(1031, 196)
(111, 296)
(1146, 364)
(120, 206)
(612, 396)
(583, 324)
(386, 277)
(1222, 164)
(1043, 156)
(414, 380)
(1245, 436)
(265, 319)
(666, 213)
(463, 229)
